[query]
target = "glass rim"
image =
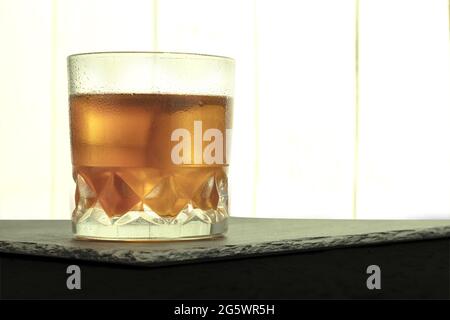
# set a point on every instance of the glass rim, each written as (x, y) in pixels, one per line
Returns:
(148, 53)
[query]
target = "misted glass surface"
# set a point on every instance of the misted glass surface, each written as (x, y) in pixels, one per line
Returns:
(149, 165)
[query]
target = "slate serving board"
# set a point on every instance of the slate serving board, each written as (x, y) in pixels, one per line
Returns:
(246, 237)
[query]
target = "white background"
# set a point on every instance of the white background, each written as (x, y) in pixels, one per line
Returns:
(342, 107)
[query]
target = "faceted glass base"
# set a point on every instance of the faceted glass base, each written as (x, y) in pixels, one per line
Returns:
(130, 204)
(144, 226)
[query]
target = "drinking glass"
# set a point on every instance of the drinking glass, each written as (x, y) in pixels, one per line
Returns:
(150, 136)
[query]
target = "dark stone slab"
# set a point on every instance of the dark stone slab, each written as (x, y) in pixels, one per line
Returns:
(247, 237)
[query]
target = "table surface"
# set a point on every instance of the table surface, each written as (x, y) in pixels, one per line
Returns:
(246, 237)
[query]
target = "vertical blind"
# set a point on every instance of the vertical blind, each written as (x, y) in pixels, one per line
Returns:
(342, 108)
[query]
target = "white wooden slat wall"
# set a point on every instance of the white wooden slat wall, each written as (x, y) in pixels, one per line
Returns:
(295, 119)
(306, 108)
(25, 109)
(404, 145)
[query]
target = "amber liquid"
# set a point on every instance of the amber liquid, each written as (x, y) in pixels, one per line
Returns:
(121, 152)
